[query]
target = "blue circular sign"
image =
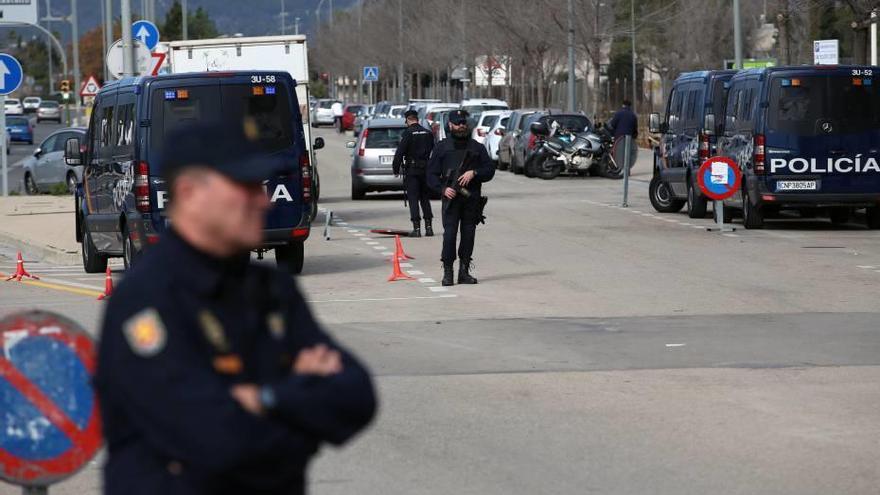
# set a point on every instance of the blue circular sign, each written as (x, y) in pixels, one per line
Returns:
(11, 74)
(146, 32)
(50, 425)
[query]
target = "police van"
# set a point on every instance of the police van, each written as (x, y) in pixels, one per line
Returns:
(687, 137)
(805, 138)
(121, 203)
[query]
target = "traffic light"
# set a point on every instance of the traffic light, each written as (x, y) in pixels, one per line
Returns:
(65, 85)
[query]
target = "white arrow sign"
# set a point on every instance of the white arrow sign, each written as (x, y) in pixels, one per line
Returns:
(142, 34)
(4, 71)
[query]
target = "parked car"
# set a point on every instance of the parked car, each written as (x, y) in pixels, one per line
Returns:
(476, 106)
(372, 156)
(49, 110)
(505, 146)
(493, 137)
(31, 103)
(396, 111)
(524, 142)
(427, 112)
(20, 130)
(685, 142)
(440, 127)
(14, 107)
(349, 114)
(322, 112)
(46, 167)
(485, 122)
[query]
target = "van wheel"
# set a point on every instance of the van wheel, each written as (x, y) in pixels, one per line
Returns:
(93, 262)
(872, 217)
(128, 252)
(291, 257)
(839, 216)
(661, 197)
(696, 204)
(753, 217)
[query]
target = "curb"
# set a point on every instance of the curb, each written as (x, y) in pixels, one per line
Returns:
(41, 253)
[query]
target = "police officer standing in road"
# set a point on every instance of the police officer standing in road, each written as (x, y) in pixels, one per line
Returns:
(412, 156)
(624, 123)
(213, 376)
(457, 169)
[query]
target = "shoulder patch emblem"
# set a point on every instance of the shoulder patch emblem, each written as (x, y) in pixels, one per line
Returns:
(145, 333)
(213, 331)
(275, 321)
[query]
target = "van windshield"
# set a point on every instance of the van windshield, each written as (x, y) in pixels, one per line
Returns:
(269, 107)
(813, 105)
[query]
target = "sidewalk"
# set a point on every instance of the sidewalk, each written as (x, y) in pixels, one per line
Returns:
(41, 227)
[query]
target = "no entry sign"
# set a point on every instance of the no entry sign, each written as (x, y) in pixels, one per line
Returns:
(49, 416)
(719, 178)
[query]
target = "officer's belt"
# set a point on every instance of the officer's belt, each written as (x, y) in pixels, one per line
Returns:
(417, 164)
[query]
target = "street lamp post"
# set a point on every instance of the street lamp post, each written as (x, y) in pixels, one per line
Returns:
(571, 74)
(632, 6)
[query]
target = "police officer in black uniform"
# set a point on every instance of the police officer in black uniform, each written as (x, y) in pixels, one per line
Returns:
(213, 376)
(412, 155)
(457, 169)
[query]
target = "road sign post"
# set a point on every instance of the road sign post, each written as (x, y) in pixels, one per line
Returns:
(719, 178)
(51, 420)
(371, 75)
(11, 76)
(627, 144)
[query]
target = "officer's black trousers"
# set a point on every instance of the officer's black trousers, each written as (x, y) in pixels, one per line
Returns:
(459, 213)
(418, 193)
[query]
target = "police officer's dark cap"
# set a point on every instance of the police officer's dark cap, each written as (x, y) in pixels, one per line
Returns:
(410, 113)
(227, 148)
(458, 117)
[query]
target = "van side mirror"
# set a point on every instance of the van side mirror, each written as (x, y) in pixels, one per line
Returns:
(709, 124)
(319, 143)
(72, 152)
(539, 128)
(654, 123)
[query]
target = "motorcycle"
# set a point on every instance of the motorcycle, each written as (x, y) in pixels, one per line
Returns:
(582, 153)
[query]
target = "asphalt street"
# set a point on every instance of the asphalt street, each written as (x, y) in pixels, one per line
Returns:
(606, 350)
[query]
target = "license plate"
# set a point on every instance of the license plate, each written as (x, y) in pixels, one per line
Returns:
(386, 160)
(796, 185)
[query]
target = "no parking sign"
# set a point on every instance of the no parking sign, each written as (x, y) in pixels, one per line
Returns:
(50, 422)
(719, 178)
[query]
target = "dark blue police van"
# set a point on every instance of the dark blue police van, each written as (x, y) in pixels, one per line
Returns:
(688, 136)
(120, 206)
(806, 138)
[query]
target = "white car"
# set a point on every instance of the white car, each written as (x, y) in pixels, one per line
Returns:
(476, 106)
(31, 103)
(493, 137)
(322, 112)
(485, 122)
(14, 107)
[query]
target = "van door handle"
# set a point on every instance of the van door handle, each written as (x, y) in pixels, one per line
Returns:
(837, 152)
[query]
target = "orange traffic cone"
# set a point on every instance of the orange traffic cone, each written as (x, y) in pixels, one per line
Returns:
(20, 272)
(398, 274)
(399, 253)
(108, 286)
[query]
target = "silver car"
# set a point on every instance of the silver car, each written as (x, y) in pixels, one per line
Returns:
(49, 110)
(372, 156)
(46, 167)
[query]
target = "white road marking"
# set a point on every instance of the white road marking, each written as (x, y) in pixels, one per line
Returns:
(319, 301)
(730, 235)
(867, 267)
(438, 289)
(360, 235)
(379, 248)
(697, 227)
(387, 253)
(675, 345)
(427, 280)
(415, 272)
(372, 243)
(406, 265)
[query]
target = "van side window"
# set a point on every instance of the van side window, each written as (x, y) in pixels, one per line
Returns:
(125, 125)
(105, 139)
(745, 110)
(673, 119)
(733, 99)
(694, 107)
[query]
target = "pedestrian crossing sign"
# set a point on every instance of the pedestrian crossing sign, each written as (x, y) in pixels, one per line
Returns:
(371, 74)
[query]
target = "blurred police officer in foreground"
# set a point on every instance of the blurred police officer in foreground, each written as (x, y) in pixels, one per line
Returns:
(457, 170)
(413, 153)
(213, 376)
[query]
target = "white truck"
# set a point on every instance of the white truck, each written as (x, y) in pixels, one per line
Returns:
(280, 53)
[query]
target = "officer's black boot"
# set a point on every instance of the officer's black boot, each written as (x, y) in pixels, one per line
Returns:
(417, 230)
(464, 276)
(429, 229)
(447, 274)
